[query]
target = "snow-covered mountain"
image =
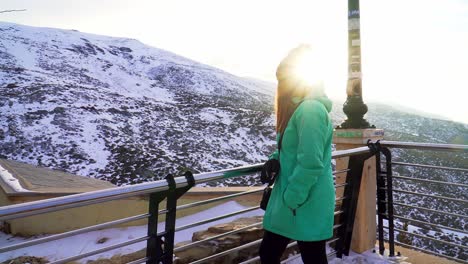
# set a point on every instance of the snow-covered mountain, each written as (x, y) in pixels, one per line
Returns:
(119, 110)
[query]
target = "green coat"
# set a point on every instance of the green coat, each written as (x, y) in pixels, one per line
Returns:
(302, 202)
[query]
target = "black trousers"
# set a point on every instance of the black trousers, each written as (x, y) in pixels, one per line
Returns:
(273, 246)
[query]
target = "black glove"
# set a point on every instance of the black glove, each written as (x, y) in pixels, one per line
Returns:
(269, 171)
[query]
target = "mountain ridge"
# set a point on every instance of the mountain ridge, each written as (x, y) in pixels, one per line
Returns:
(85, 105)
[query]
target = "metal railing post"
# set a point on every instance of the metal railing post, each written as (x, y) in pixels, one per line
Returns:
(154, 245)
(391, 234)
(167, 237)
(381, 199)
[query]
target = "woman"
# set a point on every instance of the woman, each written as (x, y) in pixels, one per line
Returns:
(302, 202)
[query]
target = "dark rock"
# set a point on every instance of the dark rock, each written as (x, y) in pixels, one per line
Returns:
(26, 260)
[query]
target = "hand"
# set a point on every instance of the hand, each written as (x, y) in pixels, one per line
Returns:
(269, 171)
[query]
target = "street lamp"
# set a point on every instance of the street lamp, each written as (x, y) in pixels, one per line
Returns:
(354, 107)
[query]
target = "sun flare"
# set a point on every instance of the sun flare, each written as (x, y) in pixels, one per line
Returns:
(308, 68)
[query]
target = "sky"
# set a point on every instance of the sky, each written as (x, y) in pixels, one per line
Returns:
(414, 52)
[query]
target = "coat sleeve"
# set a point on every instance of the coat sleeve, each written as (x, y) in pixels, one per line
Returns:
(274, 155)
(311, 124)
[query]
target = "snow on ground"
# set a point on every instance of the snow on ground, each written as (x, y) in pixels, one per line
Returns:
(367, 257)
(11, 180)
(82, 243)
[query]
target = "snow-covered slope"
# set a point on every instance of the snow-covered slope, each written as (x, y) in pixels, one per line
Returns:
(119, 110)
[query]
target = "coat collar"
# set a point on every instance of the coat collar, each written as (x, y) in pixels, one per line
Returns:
(321, 98)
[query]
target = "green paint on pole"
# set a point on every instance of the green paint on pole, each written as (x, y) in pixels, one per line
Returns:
(348, 134)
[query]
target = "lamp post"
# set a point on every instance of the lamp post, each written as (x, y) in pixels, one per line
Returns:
(354, 107)
(355, 132)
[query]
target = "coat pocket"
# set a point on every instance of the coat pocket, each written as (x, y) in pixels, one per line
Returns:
(298, 206)
(292, 211)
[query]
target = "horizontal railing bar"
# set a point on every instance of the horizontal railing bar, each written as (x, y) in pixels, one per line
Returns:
(251, 169)
(163, 233)
(349, 152)
(82, 199)
(194, 204)
(430, 224)
(427, 209)
(340, 171)
(224, 216)
(292, 244)
(429, 238)
(138, 261)
(341, 198)
(100, 196)
(215, 218)
(185, 206)
(94, 252)
(429, 252)
(340, 185)
(72, 233)
(431, 181)
(252, 260)
(427, 166)
(227, 252)
(333, 252)
(428, 195)
(424, 146)
(227, 173)
(215, 237)
(336, 226)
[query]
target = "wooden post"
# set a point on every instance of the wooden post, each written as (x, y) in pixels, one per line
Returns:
(364, 230)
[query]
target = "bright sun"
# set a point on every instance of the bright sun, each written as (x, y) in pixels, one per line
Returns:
(309, 68)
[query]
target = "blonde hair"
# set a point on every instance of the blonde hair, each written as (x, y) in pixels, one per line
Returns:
(289, 86)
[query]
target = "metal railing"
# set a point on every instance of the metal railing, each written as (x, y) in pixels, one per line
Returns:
(403, 200)
(160, 243)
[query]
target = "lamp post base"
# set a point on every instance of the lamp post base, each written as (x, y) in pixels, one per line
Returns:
(355, 109)
(362, 123)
